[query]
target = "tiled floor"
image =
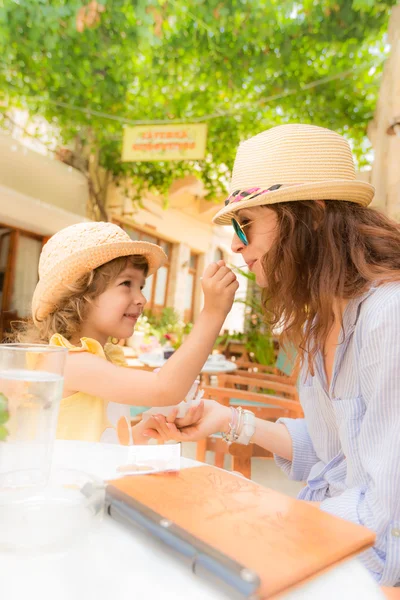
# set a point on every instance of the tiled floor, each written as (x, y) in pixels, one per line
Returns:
(263, 471)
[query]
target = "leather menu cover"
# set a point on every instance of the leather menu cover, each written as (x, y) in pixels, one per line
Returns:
(284, 540)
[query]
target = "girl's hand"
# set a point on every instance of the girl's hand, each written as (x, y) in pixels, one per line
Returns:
(215, 417)
(157, 427)
(138, 431)
(219, 286)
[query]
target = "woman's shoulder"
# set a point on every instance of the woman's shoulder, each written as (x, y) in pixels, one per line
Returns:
(383, 301)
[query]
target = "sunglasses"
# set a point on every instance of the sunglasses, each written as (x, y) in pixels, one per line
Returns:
(238, 229)
(249, 194)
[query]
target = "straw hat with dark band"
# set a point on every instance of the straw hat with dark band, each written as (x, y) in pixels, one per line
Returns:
(77, 250)
(293, 162)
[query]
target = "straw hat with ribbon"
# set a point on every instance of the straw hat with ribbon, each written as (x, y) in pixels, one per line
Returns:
(77, 250)
(293, 162)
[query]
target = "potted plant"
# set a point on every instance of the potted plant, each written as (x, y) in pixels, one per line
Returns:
(167, 328)
(4, 417)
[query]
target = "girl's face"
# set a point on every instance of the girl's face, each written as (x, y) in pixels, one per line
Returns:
(260, 226)
(115, 312)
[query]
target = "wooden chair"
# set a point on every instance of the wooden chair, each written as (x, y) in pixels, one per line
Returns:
(285, 370)
(259, 371)
(241, 455)
(235, 350)
(267, 390)
(276, 400)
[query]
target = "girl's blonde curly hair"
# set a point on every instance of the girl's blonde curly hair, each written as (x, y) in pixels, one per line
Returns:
(71, 311)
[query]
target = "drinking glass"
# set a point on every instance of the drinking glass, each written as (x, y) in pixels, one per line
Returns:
(41, 508)
(31, 385)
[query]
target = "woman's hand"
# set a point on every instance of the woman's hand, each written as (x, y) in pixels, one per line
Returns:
(391, 593)
(157, 426)
(214, 417)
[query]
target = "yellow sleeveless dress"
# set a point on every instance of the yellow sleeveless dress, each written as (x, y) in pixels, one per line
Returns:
(90, 418)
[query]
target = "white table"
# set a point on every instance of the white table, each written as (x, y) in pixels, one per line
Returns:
(115, 563)
(210, 367)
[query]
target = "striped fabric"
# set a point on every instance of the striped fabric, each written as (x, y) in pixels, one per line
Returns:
(347, 447)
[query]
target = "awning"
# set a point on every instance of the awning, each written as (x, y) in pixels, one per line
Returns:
(24, 212)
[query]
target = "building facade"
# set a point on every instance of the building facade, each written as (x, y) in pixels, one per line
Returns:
(384, 129)
(38, 197)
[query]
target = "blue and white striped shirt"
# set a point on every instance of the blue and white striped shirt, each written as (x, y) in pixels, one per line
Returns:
(347, 447)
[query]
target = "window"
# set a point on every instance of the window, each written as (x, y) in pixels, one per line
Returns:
(25, 274)
(190, 289)
(19, 260)
(5, 235)
(156, 287)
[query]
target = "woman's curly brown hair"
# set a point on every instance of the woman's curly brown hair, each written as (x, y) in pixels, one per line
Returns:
(324, 251)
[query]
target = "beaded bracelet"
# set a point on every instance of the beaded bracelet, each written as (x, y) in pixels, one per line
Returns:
(232, 434)
(241, 426)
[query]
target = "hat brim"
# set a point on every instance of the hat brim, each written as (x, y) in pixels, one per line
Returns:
(356, 191)
(52, 285)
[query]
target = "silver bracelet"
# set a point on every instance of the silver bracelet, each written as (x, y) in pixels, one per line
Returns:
(232, 434)
(248, 427)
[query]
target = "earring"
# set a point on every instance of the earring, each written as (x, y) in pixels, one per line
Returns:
(114, 340)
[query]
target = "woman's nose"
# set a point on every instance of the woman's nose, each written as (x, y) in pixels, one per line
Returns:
(237, 245)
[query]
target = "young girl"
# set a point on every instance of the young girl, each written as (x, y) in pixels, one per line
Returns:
(330, 272)
(91, 278)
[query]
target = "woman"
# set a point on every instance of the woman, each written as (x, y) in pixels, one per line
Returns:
(330, 272)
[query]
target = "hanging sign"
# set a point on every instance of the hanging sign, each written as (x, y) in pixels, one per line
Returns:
(164, 142)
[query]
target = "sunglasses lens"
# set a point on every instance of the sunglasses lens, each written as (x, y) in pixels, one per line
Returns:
(239, 232)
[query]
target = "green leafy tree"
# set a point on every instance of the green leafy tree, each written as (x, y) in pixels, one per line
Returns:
(239, 65)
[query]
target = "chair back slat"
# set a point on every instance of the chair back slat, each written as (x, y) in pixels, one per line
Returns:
(231, 381)
(224, 396)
